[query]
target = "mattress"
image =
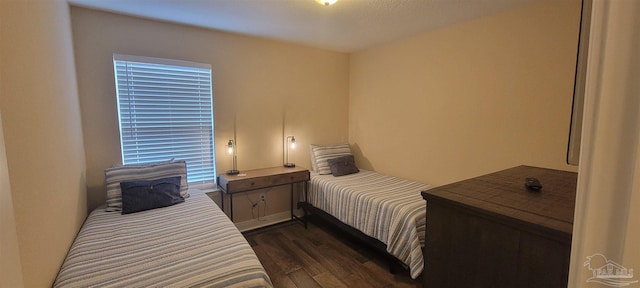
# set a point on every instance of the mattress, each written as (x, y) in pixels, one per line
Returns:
(386, 208)
(191, 244)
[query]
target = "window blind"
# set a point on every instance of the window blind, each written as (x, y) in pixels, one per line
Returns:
(165, 110)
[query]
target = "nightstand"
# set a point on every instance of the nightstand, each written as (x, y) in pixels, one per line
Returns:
(250, 180)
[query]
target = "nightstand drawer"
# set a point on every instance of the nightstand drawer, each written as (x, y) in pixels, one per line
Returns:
(262, 178)
(248, 184)
(289, 178)
(267, 181)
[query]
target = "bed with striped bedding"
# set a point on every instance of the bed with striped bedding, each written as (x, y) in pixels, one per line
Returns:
(386, 208)
(191, 244)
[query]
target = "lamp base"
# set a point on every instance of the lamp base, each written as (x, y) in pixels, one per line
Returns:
(232, 172)
(289, 165)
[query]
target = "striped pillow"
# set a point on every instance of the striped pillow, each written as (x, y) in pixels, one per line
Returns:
(320, 155)
(313, 159)
(149, 171)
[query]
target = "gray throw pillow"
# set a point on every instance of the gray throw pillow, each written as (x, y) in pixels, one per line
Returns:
(343, 165)
(145, 195)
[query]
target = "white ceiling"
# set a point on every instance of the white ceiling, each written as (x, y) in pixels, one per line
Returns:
(347, 26)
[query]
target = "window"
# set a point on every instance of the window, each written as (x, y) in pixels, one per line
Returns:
(165, 110)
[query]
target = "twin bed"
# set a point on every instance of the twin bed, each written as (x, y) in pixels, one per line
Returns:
(389, 211)
(386, 212)
(194, 244)
(189, 244)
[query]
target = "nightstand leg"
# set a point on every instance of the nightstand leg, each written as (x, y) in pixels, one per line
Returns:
(293, 216)
(231, 207)
(291, 202)
(306, 199)
(222, 201)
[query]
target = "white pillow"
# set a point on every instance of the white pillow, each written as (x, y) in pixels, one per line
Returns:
(148, 171)
(313, 158)
(320, 155)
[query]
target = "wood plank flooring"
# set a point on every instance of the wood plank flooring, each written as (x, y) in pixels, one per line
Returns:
(320, 257)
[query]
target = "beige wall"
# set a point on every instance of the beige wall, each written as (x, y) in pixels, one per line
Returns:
(10, 263)
(408, 107)
(468, 99)
(42, 134)
(260, 82)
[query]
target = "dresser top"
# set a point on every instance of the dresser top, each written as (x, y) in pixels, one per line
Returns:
(503, 194)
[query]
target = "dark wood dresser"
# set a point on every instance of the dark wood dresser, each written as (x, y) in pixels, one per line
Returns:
(490, 231)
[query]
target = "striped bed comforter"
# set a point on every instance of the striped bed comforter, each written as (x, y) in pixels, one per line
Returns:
(387, 208)
(191, 244)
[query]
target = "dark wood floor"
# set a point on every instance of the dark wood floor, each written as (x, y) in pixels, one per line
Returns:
(320, 257)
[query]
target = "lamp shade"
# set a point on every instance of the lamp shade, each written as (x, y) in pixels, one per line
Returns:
(290, 143)
(231, 150)
(230, 147)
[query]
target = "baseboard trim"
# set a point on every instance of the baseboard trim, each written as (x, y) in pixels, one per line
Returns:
(264, 221)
